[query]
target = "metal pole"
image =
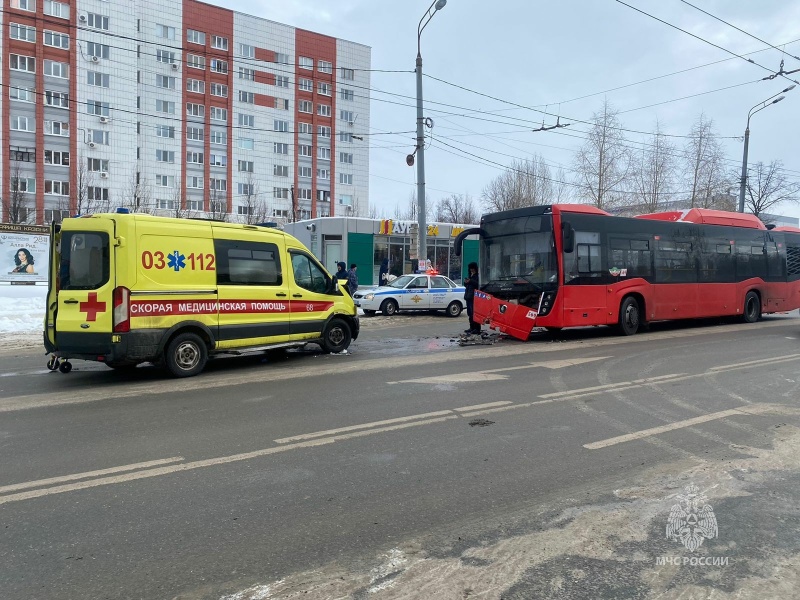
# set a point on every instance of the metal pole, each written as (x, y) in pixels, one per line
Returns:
(422, 246)
(743, 182)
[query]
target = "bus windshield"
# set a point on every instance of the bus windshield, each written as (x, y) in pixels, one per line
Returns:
(519, 251)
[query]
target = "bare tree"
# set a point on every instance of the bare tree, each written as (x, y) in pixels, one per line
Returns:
(218, 205)
(372, 211)
(16, 201)
(86, 198)
(138, 197)
(704, 166)
(654, 172)
(456, 208)
(767, 186)
(603, 162)
(410, 210)
(255, 208)
(562, 190)
(525, 183)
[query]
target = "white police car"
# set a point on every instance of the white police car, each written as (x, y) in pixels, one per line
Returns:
(413, 292)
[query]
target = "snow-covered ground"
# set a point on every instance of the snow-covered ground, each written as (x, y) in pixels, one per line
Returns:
(22, 309)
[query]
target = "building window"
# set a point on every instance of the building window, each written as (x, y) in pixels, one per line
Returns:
(306, 85)
(282, 103)
(194, 61)
(247, 120)
(98, 50)
(57, 99)
(305, 63)
(165, 81)
(323, 174)
(22, 33)
(345, 136)
(23, 184)
(219, 89)
(282, 59)
(346, 157)
(165, 156)
(56, 215)
(163, 31)
(56, 40)
(219, 114)
(22, 124)
(346, 94)
(324, 153)
(56, 69)
(97, 193)
(221, 185)
(97, 165)
(97, 79)
(304, 150)
(195, 110)
(246, 166)
(280, 170)
(56, 9)
(304, 172)
(280, 125)
(346, 200)
(56, 188)
(195, 37)
(59, 128)
(165, 180)
(323, 195)
(194, 183)
(165, 131)
(197, 86)
(22, 63)
(247, 51)
(247, 97)
(29, 5)
(304, 128)
(280, 148)
(194, 133)
(246, 143)
(96, 21)
(304, 194)
(304, 106)
(324, 89)
(324, 66)
(95, 107)
(346, 178)
(324, 110)
(22, 94)
(346, 115)
(56, 157)
(165, 56)
(247, 74)
(219, 137)
(324, 131)
(195, 158)
(218, 160)
(218, 66)
(282, 81)
(280, 192)
(220, 43)
(96, 136)
(165, 106)
(348, 74)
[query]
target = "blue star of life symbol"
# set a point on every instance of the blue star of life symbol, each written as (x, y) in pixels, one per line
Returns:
(176, 261)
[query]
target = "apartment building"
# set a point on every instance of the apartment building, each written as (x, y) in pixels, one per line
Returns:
(182, 108)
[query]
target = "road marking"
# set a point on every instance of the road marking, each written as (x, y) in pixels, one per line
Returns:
(612, 386)
(88, 474)
(638, 435)
(491, 374)
(477, 406)
(755, 363)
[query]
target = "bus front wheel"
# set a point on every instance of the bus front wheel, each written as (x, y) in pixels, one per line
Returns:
(752, 308)
(629, 316)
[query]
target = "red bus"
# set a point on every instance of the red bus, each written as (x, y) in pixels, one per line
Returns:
(572, 265)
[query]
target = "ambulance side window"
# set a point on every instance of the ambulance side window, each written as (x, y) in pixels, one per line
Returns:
(84, 260)
(308, 275)
(247, 263)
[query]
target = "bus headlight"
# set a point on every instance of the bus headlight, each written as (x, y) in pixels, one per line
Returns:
(546, 303)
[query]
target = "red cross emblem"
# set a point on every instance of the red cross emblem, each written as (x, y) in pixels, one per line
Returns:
(91, 307)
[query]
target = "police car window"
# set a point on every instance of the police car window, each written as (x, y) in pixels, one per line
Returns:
(84, 260)
(247, 263)
(420, 283)
(439, 282)
(308, 275)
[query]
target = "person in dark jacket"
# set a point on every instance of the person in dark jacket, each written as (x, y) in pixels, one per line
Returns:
(471, 283)
(383, 274)
(352, 279)
(341, 272)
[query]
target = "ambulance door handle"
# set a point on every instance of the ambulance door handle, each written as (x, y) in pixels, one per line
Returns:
(281, 295)
(71, 301)
(297, 295)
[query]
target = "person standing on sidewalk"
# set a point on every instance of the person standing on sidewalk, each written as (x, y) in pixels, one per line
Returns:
(352, 279)
(471, 283)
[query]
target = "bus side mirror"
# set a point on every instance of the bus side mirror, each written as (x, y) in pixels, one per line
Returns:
(567, 237)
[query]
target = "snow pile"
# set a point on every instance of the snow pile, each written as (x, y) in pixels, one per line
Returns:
(22, 308)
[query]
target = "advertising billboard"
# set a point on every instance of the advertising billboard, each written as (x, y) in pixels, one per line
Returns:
(24, 253)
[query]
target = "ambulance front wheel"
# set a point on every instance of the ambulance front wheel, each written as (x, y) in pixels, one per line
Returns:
(337, 336)
(65, 367)
(53, 363)
(186, 355)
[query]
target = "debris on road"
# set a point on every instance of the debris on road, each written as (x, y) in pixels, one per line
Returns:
(480, 423)
(484, 338)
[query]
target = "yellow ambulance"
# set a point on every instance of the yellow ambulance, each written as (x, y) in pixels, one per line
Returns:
(132, 288)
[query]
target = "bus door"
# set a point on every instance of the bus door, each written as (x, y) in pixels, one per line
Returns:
(584, 282)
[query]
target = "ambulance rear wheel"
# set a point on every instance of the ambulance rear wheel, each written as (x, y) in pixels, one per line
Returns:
(53, 363)
(336, 337)
(186, 355)
(65, 367)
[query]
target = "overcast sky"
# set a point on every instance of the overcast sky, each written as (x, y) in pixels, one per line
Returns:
(551, 56)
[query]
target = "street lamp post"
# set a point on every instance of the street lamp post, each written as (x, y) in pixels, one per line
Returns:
(422, 246)
(760, 106)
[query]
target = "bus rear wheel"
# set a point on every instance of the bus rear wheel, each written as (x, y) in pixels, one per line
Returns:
(629, 316)
(752, 308)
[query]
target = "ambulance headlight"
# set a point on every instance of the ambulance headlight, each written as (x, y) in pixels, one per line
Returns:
(369, 296)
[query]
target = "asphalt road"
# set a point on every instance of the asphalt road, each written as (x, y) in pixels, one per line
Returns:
(413, 468)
